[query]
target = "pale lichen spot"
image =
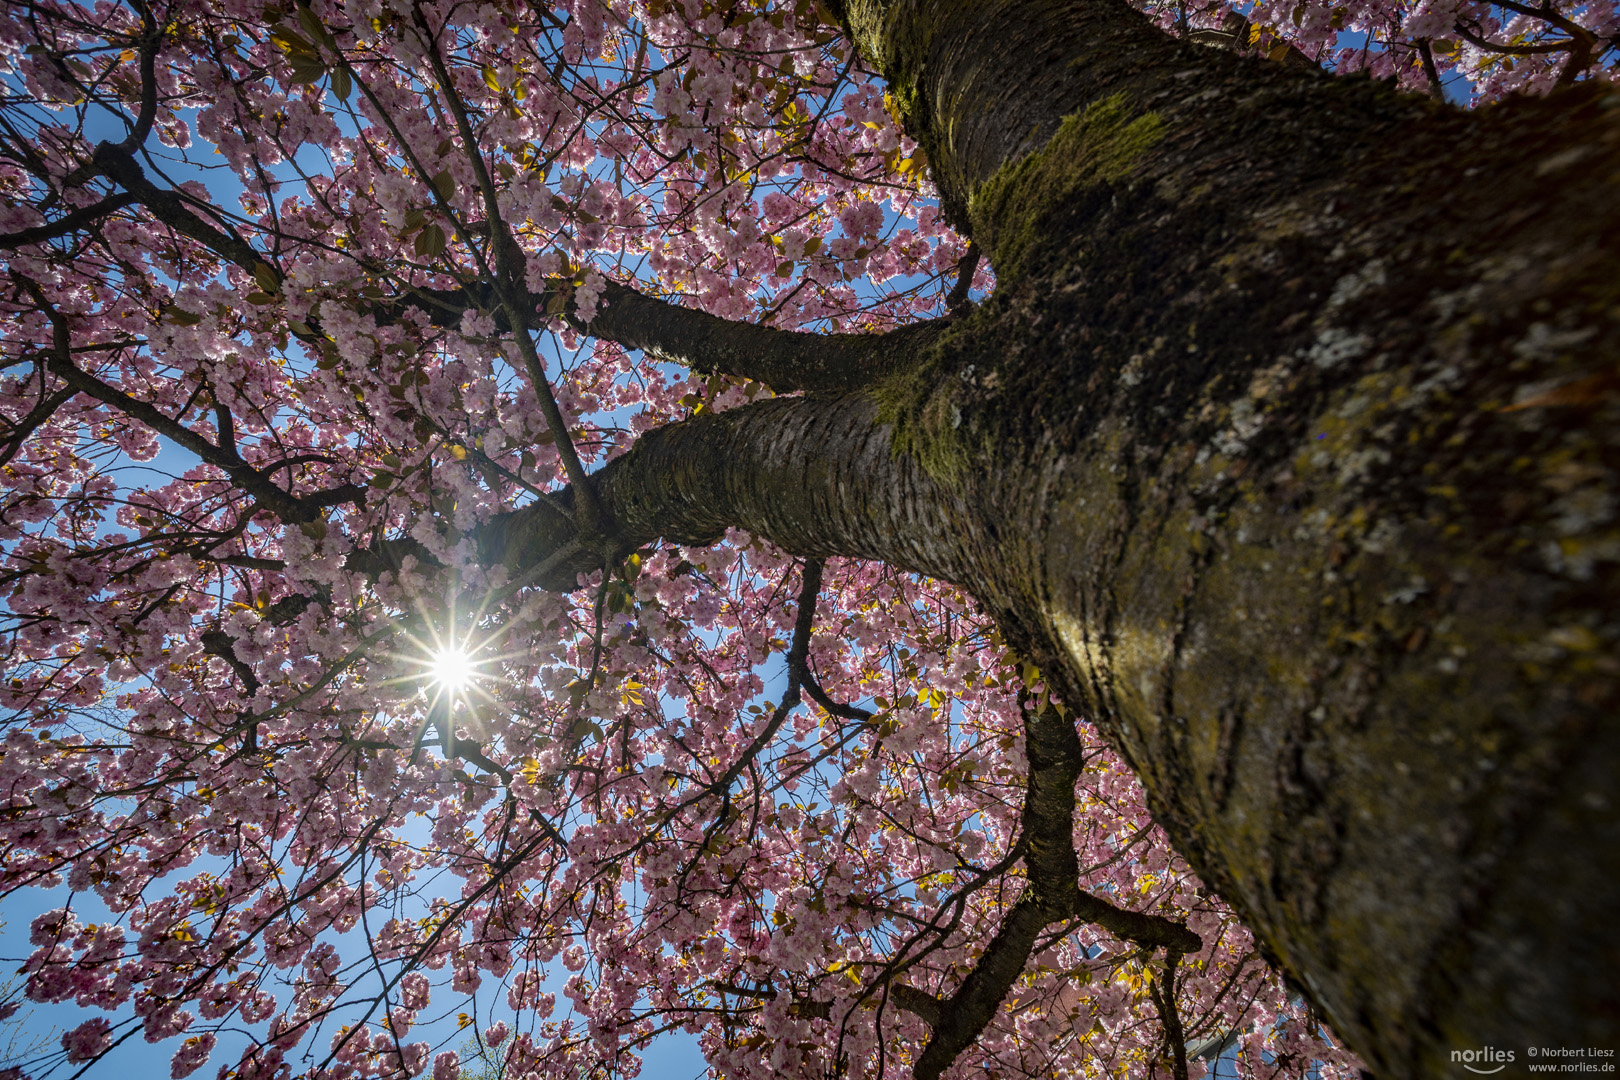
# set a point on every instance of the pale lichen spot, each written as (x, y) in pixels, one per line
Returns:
(1336, 345)
(1544, 342)
(1355, 285)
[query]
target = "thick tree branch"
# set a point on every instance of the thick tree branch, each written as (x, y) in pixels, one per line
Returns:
(784, 360)
(1437, 89)
(1163, 991)
(816, 476)
(1149, 931)
(1473, 37)
(966, 1013)
(920, 1003)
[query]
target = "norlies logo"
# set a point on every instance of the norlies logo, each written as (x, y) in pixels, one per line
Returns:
(1485, 1062)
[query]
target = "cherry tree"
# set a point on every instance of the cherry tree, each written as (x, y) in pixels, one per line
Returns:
(524, 523)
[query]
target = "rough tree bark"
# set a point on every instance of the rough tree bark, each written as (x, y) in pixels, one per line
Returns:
(1287, 444)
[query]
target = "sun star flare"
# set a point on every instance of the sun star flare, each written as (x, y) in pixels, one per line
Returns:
(453, 669)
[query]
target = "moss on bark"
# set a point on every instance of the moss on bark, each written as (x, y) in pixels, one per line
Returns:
(1102, 144)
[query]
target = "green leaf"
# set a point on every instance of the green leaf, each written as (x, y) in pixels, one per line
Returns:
(306, 68)
(266, 277)
(812, 245)
(181, 317)
(444, 184)
(430, 242)
(342, 85)
(260, 298)
(312, 26)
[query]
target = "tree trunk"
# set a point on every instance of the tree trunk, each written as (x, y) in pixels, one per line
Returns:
(1288, 445)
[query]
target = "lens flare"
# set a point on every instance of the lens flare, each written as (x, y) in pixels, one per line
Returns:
(452, 669)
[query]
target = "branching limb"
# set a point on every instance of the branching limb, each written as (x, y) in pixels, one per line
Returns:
(256, 482)
(1473, 37)
(803, 624)
(151, 38)
(16, 434)
(1437, 89)
(834, 708)
(814, 475)
(1163, 991)
(785, 360)
(965, 267)
(1055, 759)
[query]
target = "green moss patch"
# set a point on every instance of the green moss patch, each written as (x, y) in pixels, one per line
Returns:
(1098, 146)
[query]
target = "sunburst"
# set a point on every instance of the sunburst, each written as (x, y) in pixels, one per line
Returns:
(452, 669)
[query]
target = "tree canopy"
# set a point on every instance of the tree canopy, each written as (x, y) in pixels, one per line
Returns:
(344, 719)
